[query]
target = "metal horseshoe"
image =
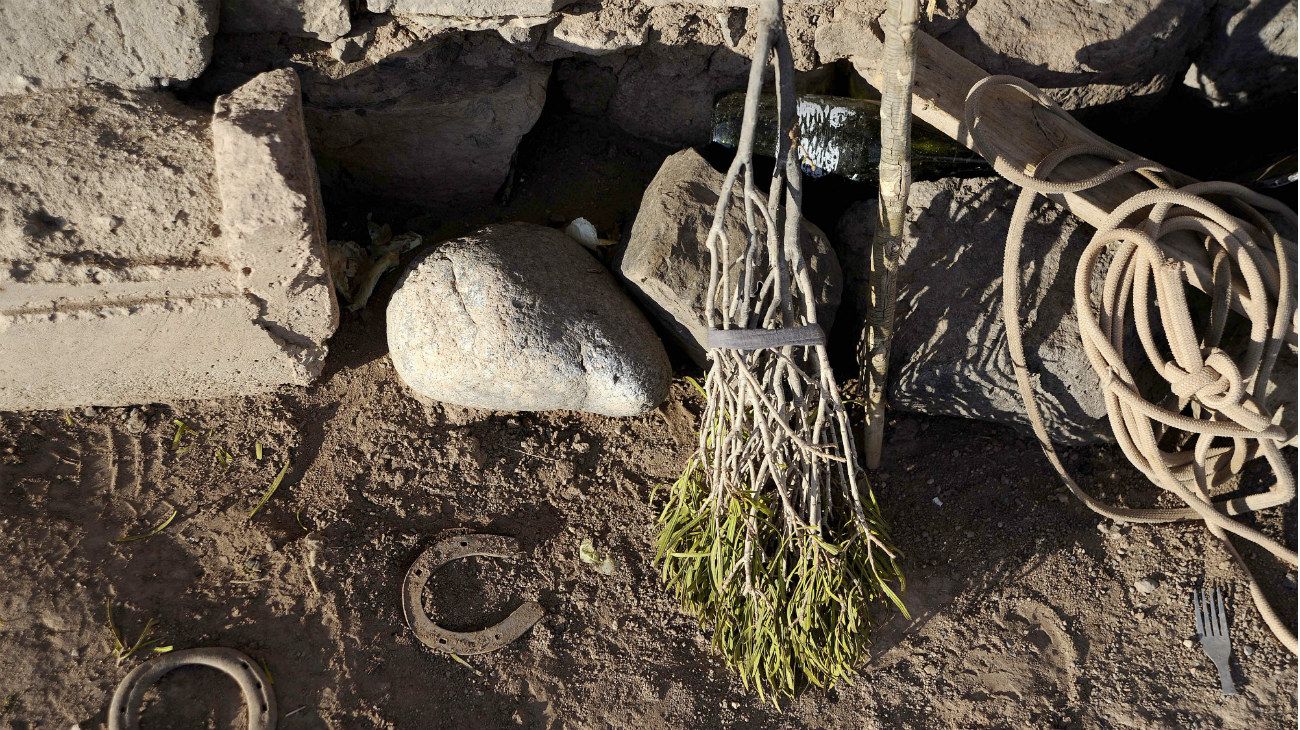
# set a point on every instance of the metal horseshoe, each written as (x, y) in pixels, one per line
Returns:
(124, 712)
(436, 637)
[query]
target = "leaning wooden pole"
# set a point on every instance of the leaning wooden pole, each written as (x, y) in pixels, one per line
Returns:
(899, 68)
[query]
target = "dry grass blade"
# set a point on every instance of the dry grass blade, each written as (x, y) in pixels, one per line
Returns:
(153, 531)
(461, 661)
(266, 497)
(118, 645)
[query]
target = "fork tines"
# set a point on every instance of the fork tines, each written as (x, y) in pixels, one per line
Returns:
(1211, 616)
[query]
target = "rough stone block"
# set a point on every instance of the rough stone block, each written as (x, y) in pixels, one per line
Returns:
(949, 354)
(326, 20)
(1248, 56)
(466, 8)
(49, 44)
(666, 262)
(150, 254)
(1121, 56)
(436, 125)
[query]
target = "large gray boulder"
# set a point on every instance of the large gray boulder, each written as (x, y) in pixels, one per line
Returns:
(949, 354)
(666, 262)
(520, 317)
(49, 44)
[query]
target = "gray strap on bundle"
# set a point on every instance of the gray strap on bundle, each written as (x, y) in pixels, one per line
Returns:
(765, 339)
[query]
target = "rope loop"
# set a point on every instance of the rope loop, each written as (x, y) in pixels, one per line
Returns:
(1216, 358)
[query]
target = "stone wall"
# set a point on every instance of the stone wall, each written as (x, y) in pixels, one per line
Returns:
(123, 197)
(154, 252)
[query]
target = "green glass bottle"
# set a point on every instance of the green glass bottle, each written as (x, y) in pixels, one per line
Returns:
(840, 136)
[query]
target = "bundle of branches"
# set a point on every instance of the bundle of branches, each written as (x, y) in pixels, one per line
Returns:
(771, 536)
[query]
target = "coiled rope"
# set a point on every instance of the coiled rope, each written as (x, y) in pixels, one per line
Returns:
(1180, 441)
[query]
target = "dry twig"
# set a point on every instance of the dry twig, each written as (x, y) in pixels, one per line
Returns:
(772, 536)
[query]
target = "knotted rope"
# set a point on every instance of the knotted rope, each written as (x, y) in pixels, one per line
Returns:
(1217, 391)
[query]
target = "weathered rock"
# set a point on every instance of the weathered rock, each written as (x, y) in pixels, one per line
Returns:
(666, 93)
(466, 8)
(325, 20)
(1249, 54)
(1085, 54)
(656, 70)
(520, 317)
(271, 210)
(666, 262)
(598, 32)
(435, 125)
(50, 45)
(949, 354)
(147, 254)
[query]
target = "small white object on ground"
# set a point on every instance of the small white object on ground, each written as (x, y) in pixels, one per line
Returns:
(582, 231)
(1146, 586)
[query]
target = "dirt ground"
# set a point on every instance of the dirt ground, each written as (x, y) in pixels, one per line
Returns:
(1025, 609)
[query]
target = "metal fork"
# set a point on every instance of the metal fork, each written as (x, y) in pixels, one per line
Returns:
(1212, 628)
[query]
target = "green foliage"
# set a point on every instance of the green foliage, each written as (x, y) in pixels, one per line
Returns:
(806, 620)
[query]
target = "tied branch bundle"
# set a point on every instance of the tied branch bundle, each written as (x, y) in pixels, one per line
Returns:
(772, 536)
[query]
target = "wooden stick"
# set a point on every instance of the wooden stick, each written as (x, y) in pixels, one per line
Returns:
(1022, 133)
(891, 213)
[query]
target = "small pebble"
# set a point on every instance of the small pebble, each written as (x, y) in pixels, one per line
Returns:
(1189, 644)
(1146, 586)
(1248, 650)
(938, 502)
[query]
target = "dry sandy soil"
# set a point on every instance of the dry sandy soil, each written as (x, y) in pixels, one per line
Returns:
(1025, 611)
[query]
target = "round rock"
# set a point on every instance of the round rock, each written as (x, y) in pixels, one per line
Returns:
(519, 317)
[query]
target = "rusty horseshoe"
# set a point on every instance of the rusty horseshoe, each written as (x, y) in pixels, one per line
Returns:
(440, 553)
(124, 712)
